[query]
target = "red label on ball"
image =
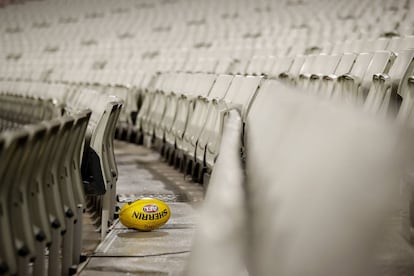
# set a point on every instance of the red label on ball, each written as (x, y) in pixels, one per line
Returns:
(150, 208)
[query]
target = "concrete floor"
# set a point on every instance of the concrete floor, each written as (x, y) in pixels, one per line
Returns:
(163, 251)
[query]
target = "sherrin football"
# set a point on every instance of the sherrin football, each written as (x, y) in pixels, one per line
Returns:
(145, 214)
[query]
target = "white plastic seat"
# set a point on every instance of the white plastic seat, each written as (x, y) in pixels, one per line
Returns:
(322, 65)
(385, 92)
(203, 108)
(202, 89)
(239, 96)
(355, 85)
(294, 69)
(328, 82)
(193, 87)
(9, 143)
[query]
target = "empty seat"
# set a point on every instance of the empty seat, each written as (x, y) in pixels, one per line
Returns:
(203, 107)
(239, 96)
(185, 106)
(322, 65)
(353, 87)
(8, 143)
(280, 65)
(385, 93)
(328, 82)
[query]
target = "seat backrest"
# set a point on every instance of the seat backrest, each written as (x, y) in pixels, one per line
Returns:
(326, 64)
(204, 84)
(380, 63)
(345, 64)
(242, 91)
(36, 197)
(361, 64)
(22, 228)
(81, 123)
(220, 87)
(7, 253)
(309, 65)
(387, 89)
(295, 67)
(280, 65)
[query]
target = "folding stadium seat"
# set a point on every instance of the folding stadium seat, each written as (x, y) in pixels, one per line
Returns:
(32, 192)
(203, 106)
(59, 214)
(99, 170)
(115, 108)
(167, 120)
(105, 113)
(294, 69)
(352, 64)
(385, 93)
(62, 170)
(123, 92)
(173, 136)
(158, 107)
(10, 141)
(204, 84)
(152, 96)
(280, 65)
(19, 212)
(321, 65)
(148, 95)
(327, 65)
(239, 96)
(354, 86)
(328, 81)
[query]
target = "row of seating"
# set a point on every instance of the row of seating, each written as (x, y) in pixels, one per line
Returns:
(67, 153)
(182, 114)
(88, 40)
(18, 111)
(42, 196)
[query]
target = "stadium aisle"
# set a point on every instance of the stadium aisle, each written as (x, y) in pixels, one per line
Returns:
(160, 252)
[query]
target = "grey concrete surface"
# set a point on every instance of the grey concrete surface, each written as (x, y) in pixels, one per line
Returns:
(163, 251)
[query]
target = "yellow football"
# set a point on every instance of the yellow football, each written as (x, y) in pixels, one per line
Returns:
(145, 214)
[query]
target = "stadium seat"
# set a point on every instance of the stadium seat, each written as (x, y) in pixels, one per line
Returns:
(9, 142)
(203, 107)
(385, 93)
(239, 95)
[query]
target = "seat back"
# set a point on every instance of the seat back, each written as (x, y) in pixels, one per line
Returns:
(385, 92)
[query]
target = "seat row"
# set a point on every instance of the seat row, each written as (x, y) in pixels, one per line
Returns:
(90, 169)
(182, 114)
(18, 111)
(42, 196)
